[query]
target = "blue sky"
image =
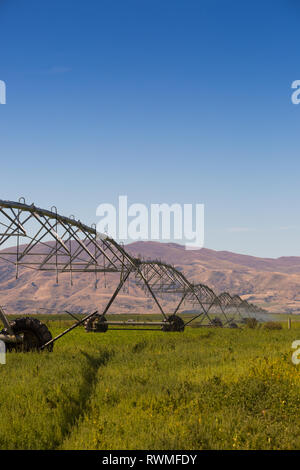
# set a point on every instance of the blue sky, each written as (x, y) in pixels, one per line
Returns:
(164, 101)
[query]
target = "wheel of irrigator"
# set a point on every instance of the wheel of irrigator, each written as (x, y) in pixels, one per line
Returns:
(33, 332)
(173, 323)
(96, 324)
(216, 322)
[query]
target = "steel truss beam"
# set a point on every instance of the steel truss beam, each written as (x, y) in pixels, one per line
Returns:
(47, 241)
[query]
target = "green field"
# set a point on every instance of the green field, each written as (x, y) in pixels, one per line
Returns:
(206, 388)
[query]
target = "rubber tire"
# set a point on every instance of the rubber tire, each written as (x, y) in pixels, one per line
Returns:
(96, 324)
(37, 330)
(174, 323)
(216, 322)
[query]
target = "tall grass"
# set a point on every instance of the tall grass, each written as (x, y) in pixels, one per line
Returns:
(201, 389)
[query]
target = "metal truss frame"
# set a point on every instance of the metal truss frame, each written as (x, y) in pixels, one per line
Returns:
(47, 241)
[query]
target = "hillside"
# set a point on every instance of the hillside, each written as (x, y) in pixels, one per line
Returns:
(271, 283)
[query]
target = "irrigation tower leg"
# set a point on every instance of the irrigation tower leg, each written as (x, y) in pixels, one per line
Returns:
(80, 322)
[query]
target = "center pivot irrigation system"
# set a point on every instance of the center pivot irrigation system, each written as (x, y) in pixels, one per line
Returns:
(43, 240)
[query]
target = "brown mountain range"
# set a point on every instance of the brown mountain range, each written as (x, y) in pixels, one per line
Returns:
(271, 283)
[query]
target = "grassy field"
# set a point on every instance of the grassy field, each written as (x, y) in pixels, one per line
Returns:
(205, 388)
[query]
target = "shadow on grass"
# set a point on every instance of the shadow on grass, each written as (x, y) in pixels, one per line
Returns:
(78, 407)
